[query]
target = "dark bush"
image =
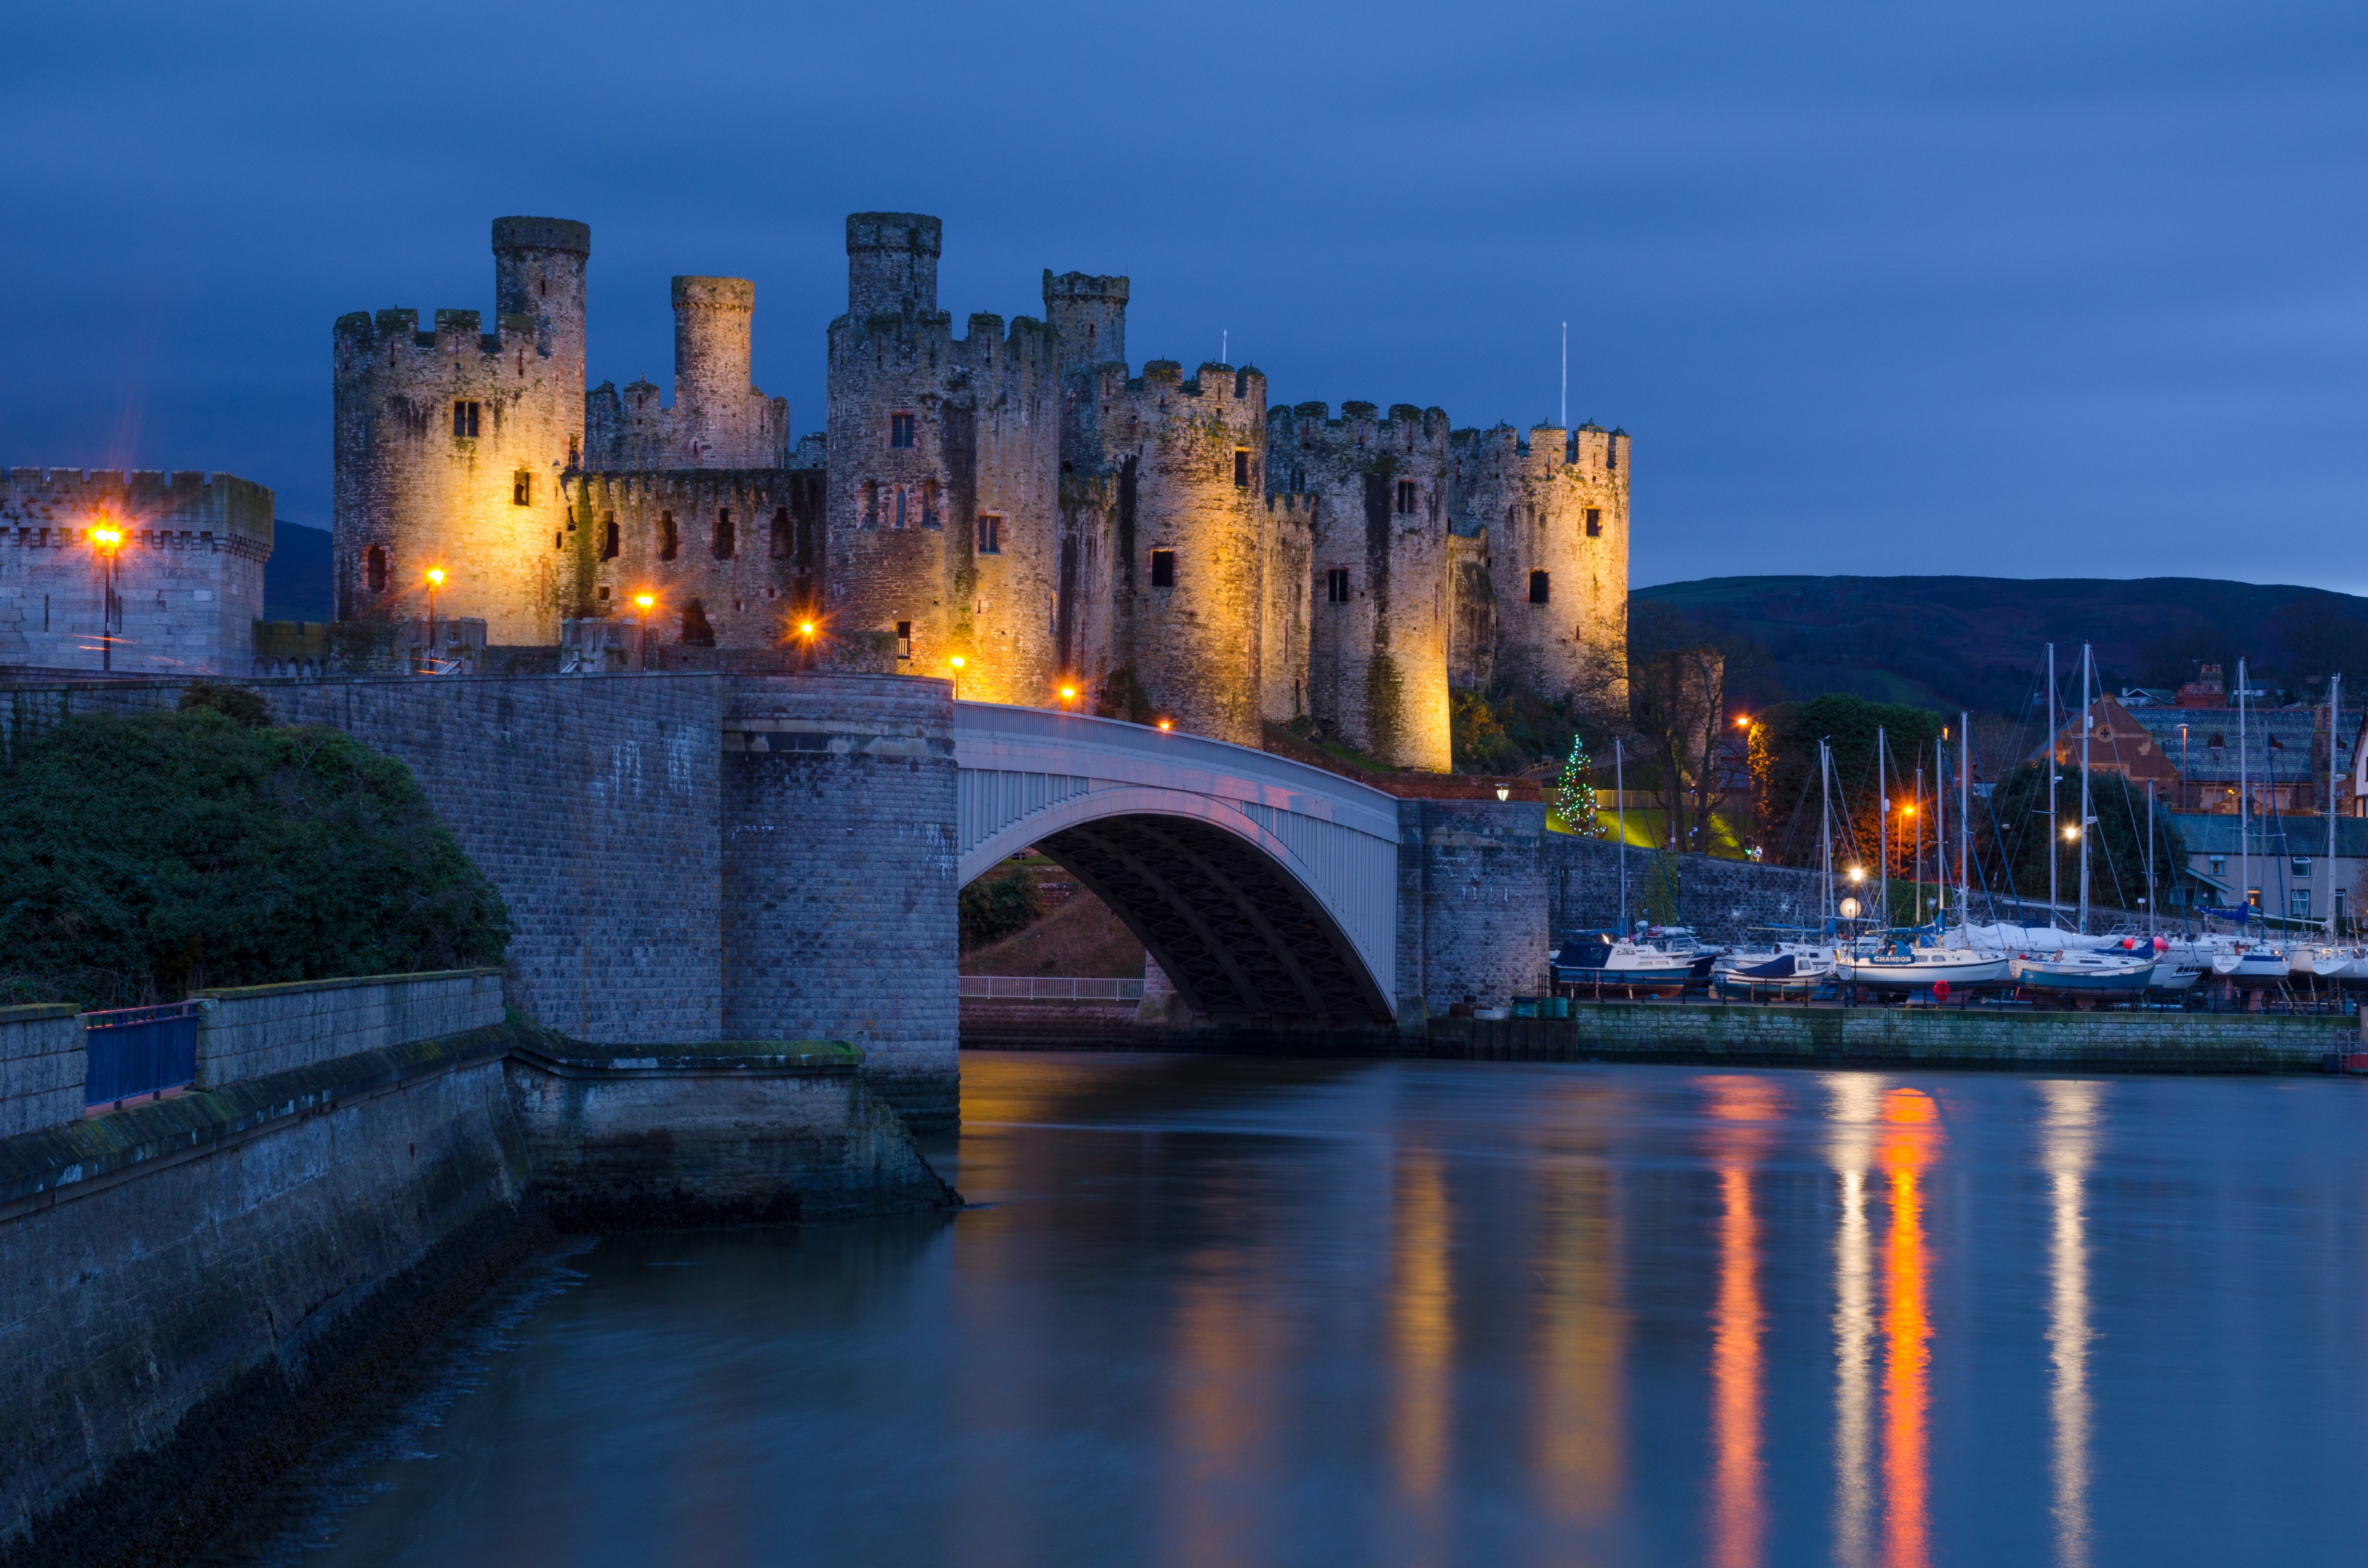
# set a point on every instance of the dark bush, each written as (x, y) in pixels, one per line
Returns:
(237, 703)
(148, 856)
(994, 910)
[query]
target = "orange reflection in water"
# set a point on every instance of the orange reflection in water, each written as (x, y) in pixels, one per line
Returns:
(1221, 1408)
(1741, 1110)
(1579, 1463)
(1909, 1137)
(1422, 1342)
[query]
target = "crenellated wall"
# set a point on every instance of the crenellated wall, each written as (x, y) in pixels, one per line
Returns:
(1377, 645)
(189, 572)
(1555, 508)
(450, 446)
(718, 418)
(732, 558)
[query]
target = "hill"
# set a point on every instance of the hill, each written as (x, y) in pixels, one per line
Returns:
(1950, 643)
(298, 579)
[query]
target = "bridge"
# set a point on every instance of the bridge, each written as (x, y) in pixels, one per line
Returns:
(1264, 888)
(711, 856)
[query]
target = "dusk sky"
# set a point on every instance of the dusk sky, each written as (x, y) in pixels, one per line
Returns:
(2015, 289)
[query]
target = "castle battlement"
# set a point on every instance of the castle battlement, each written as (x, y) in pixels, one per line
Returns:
(142, 502)
(1310, 424)
(392, 334)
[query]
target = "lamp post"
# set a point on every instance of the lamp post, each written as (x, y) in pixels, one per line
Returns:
(957, 661)
(435, 581)
(645, 602)
(107, 539)
(1068, 694)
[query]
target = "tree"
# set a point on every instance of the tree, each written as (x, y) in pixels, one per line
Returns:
(1574, 794)
(2013, 838)
(1676, 708)
(1785, 771)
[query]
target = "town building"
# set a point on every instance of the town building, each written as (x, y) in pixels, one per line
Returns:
(2196, 758)
(2282, 866)
(1017, 508)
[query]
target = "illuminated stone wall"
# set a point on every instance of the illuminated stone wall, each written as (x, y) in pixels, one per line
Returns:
(189, 572)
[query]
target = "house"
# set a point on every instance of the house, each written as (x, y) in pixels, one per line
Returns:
(2193, 756)
(2282, 866)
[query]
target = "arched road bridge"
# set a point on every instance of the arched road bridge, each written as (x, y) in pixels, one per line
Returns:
(1264, 888)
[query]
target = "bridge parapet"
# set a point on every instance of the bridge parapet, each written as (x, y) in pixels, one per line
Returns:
(1264, 887)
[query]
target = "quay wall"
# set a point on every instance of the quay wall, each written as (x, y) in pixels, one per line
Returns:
(195, 1289)
(41, 1066)
(1931, 1036)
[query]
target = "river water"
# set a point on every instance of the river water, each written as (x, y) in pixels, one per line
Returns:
(1222, 1311)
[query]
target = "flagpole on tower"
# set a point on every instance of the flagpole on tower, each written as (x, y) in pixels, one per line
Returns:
(1565, 375)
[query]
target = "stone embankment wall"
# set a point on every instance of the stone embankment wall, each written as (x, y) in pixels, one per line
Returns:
(1472, 884)
(1935, 1036)
(1721, 899)
(40, 1067)
(259, 1029)
(197, 1288)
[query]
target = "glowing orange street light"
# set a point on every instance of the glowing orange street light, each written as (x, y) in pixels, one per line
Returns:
(646, 603)
(1068, 694)
(1167, 724)
(1743, 720)
(805, 628)
(107, 539)
(957, 661)
(435, 581)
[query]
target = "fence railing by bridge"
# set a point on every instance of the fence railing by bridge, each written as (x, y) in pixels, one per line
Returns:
(131, 1052)
(1049, 988)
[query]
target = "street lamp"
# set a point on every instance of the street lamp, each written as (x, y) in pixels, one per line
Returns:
(645, 603)
(957, 661)
(107, 539)
(1167, 723)
(1504, 791)
(1068, 694)
(435, 581)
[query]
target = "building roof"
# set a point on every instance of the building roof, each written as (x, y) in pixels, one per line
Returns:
(2278, 740)
(2215, 833)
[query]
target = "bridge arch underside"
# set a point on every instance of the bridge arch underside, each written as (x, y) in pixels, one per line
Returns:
(1234, 931)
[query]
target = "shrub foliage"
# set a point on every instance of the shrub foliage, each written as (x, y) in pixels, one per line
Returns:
(150, 855)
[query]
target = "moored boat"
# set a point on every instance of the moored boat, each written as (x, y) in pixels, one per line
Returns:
(2095, 973)
(2254, 968)
(1906, 968)
(1599, 964)
(1785, 977)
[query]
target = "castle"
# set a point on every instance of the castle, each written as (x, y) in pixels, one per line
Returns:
(1013, 507)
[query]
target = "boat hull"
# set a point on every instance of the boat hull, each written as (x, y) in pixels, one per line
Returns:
(2069, 980)
(1920, 973)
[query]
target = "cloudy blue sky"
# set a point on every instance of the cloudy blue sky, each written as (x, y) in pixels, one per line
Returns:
(2016, 288)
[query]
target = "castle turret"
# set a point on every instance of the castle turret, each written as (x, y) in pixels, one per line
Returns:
(1088, 314)
(892, 264)
(1556, 511)
(1379, 626)
(450, 446)
(1191, 541)
(942, 474)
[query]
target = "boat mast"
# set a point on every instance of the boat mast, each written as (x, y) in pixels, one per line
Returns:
(2152, 891)
(2334, 719)
(2087, 723)
(1883, 827)
(2244, 810)
(1825, 824)
(1940, 832)
(1964, 818)
(2053, 827)
(1917, 871)
(1620, 814)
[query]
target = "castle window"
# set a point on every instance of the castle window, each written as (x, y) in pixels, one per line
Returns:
(725, 535)
(1241, 468)
(1612, 453)
(870, 503)
(930, 518)
(903, 494)
(522, 488)
(1540, 590)
(1335, 586)
(604, 590)
(900, 431)
(575, 451)
(464, 421)
(780, 533)
(374, 570)
(903, 639)
(1595, 522)
(670, 542)
(608, 536)
(1405, 497)
(990, 533)
(1163, 568)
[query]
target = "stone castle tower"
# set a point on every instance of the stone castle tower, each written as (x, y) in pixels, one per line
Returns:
(1155, 545)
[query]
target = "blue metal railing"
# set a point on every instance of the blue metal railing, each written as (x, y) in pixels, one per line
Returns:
(132, 1052)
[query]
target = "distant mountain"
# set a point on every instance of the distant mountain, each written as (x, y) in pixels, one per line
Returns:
(298, 580)
(1950, 643)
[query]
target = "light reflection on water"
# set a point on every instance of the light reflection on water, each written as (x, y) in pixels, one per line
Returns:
(1244, 1312)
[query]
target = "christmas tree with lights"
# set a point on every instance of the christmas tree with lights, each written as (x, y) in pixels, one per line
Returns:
(1574, 794)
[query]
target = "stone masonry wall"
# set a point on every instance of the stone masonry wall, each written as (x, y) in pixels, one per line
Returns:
(188, 575)
(1721, 900)
(838, 905)
(1555, 505)
(258, 1030)
(41, 1067)
(730, 556)
(482, 500)
(1472, 903)
(1377, 657)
